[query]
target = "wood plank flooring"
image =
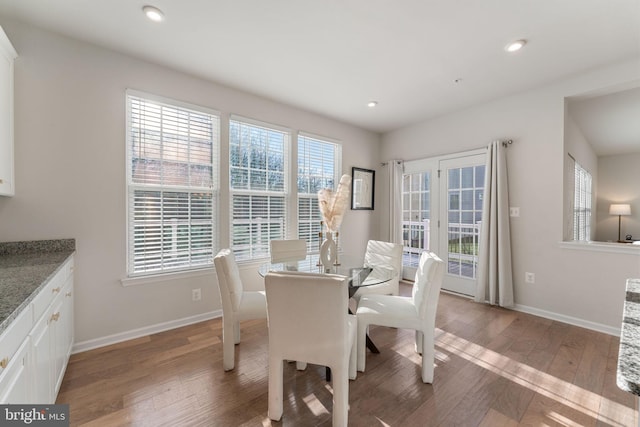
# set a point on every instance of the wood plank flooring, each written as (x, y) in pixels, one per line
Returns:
(494, 367)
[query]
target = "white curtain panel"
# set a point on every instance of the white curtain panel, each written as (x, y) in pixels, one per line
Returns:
(495, 277)
(395, 200)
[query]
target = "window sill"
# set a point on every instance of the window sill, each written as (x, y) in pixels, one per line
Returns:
(164, 277)
(612, 247)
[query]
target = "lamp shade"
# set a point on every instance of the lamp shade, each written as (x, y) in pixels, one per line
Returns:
(620, 209)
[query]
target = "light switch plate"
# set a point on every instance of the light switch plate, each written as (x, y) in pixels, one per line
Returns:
(514, 212)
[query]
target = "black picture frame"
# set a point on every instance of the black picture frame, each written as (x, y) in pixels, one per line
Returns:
(363, 184)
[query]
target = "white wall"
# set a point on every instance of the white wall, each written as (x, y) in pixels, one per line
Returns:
(70, 171)
(580, 149)
(579, 286)
(618, 182)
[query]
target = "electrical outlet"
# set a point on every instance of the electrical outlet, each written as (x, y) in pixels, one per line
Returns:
(196, 294)
(514, 212)
(529, 277)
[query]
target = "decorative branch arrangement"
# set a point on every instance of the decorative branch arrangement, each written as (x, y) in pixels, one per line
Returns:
(334, 204)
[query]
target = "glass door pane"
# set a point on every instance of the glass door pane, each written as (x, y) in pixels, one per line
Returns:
(416, 219)
(462, 184)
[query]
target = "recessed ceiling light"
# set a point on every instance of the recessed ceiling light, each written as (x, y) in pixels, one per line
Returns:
(372, 104)
(515, 45)
(153, 13)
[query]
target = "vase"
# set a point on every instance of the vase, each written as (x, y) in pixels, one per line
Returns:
(328, 252)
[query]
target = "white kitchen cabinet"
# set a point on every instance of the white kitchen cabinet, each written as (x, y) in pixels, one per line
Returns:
(52, 340)
(62, 341)
(7, 57)
(42, 361)
(16, 381)
(37, 344)
(15, 347)
(52, 335)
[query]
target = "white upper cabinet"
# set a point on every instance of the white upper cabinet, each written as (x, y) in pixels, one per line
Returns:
(7, 56)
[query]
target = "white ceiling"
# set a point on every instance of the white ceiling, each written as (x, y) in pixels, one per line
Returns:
(332, 56)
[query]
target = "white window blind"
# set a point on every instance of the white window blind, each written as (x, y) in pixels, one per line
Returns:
(258, 169)
(582, 204)
(318, 168)
(172, 179)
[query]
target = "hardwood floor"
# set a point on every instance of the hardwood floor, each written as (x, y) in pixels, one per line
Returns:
(495, 368)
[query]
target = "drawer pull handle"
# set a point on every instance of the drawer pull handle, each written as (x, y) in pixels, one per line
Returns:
(68, 294)
(54, 290)
(55, 317)
(4, 362)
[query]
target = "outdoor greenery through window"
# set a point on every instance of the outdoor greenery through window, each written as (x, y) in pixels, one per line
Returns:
(318, 166)
(172, 173)
(582, 204)
(258, 187)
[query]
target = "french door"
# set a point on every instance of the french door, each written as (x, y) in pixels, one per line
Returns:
(461, 193)
(442, 212)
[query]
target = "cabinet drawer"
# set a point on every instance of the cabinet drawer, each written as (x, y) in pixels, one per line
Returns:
(14, 335)
(51, 289)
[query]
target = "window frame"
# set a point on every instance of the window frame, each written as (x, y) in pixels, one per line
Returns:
(582, 192)
(260, 253)
(164, 273)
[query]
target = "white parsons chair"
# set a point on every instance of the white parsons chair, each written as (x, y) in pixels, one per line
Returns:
(287, 250)
(382, 255)
(309, 321)
(416, 312)
(237, 304)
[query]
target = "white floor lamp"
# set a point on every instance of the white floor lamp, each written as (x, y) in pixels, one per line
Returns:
(619, 209)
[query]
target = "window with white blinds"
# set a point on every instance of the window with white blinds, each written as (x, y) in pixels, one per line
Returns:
(318, 168)
(258, 171)
(172, 180)
(582, 204)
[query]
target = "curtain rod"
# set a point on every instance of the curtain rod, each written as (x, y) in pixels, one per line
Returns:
(386, 163)
(507, 142)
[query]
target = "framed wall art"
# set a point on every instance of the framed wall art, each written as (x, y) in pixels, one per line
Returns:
(362, 188)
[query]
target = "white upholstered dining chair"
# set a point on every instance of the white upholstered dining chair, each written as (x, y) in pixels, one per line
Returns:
(237, 304)
(417, 312)
(287, 250)
(309, 321)
(382, 255)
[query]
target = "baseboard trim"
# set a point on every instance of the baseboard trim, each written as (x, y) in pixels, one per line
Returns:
(79, 347)
(598, 327)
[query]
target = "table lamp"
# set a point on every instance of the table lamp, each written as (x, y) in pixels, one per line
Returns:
(619, 209)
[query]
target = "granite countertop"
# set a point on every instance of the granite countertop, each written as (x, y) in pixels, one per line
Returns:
(25, 268)
(628, 376)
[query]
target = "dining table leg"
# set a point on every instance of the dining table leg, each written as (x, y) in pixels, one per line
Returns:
(371, 346)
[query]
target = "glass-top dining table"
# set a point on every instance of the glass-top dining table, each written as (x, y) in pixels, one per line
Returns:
(349, 266)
